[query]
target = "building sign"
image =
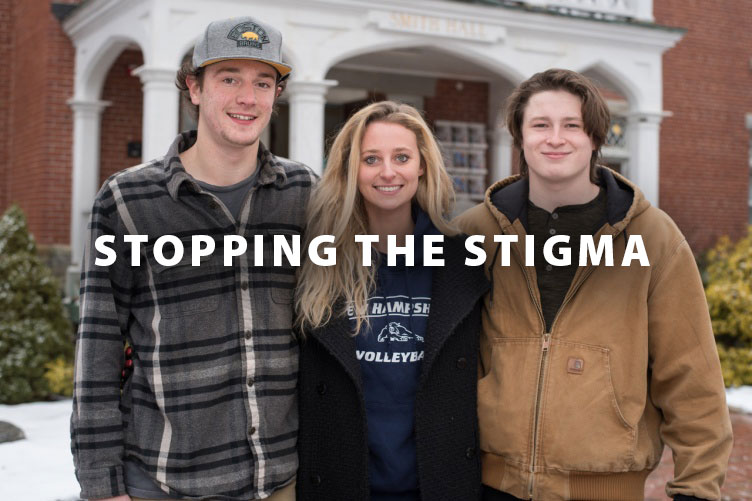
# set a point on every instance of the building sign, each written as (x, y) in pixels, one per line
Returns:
(446, 27)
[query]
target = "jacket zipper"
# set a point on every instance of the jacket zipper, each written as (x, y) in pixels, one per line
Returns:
(544, 351)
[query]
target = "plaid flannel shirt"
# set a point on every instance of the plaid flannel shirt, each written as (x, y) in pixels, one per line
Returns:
(210, 408)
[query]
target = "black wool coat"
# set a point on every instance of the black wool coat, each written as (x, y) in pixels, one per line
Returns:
(332, 441)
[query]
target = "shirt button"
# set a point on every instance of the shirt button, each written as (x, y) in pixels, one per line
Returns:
(461, 363)
(249, 382)
(554, 216)
(315, 480)
(244, 285)
(470, 452)
(248, 334)
(251, 430)
(549, 267)
(321, 388)
(552, 231)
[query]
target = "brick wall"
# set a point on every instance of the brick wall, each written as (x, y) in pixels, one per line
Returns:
(707, 84)
(6, 60)
(39, 122)
(121, 121)
(468, 104)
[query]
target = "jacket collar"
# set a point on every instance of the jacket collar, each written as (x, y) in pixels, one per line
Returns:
(447, 310)
(271, 170)
(623, 199)
(337, 337)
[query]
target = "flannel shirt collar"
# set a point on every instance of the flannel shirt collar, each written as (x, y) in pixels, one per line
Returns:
(271, 171)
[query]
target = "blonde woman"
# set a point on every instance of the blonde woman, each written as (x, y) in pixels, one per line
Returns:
(389, 352)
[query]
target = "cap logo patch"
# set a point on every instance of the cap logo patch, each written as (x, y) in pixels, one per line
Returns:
(249, 35)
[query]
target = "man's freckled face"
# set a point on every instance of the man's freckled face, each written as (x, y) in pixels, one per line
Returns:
(236, 101)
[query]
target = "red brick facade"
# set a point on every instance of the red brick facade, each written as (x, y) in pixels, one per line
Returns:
(707, 85)
(121, 121)
(458, 100)
(6, 23)
(38, 144)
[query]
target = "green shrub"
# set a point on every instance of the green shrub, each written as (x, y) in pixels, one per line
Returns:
(59, 376)
(736, 364)
(729, 292)
(34, 329)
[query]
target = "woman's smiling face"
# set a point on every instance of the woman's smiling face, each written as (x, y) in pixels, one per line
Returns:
(389, 170)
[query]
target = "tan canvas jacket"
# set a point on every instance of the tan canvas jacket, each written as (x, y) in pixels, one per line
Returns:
(582, 412)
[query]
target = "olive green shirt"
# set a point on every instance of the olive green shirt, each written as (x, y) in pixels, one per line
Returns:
(570, 220)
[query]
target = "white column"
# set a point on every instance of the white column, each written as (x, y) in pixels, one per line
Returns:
(160, 112)
(501, 153)
(307, 100)
(643, 142)
(87, 118)
(644, 10)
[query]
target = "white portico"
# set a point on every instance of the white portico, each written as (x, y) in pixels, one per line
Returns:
(613, 40)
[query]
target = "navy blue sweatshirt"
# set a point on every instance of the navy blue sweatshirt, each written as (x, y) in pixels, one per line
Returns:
(390, 352)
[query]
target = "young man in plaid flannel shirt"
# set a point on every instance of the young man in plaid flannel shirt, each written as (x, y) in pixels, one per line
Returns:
(209, 410)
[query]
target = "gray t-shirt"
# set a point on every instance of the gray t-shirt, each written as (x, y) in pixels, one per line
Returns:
(234, 195)
(139, 484)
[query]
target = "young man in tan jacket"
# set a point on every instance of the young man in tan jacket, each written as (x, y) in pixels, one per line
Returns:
(587, 371)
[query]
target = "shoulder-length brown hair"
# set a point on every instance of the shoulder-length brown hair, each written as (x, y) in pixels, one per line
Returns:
(595, 114)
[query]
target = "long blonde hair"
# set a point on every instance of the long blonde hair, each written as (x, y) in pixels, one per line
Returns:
(336, 208)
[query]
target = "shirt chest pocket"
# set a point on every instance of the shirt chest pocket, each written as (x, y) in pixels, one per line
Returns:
(184, 289)
(279, 276)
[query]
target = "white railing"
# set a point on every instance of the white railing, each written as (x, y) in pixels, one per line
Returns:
(641, 10)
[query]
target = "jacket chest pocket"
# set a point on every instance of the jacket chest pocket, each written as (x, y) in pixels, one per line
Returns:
(183, 289)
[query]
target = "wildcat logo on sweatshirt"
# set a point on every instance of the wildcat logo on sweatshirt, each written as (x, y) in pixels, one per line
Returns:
(395, 331)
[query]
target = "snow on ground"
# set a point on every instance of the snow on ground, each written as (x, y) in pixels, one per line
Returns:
(740, 399)
(40, 468)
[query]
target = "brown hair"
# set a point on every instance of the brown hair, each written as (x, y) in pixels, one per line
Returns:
(188, 70)
(595, 114)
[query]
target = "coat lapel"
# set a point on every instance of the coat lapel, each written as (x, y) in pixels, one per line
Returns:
(455, 290)
(336, 337)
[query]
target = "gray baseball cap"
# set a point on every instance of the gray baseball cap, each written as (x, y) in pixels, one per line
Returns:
(240, 38)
